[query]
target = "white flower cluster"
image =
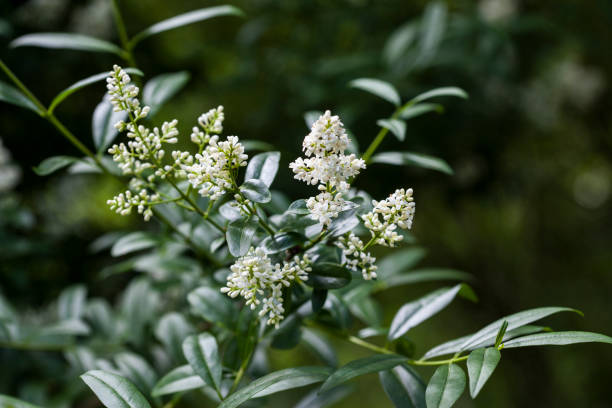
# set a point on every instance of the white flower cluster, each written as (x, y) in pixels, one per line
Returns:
(212, 123)
(143, 201)
(327, 165)
(257, 280)
(214, 170)
(356, 256)
(397, 210)
(9, 173)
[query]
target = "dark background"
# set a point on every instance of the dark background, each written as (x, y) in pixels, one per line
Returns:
(528, 211)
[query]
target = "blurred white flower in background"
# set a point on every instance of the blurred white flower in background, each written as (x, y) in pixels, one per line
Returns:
(493, 11)
(9, 173)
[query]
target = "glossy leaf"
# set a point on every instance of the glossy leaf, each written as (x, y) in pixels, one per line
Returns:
(180, 379)
(135, 241)
(202, 353)
(557, 339)
(212, 305)
(53, 164)
(412, 159)
(160, 89)
(379, 88)
(445, 91)
(263, 167)
(403, 386)
(12, 95)
(113, 390)
(282, 241)
(136, 369)
(367, 365)
(103, 124)
(412, 111)
(230, 211)
(275, 382)
(481, 363)
(185, 19)
(413, 313)
(327, 275)
(425, 275)
(256, 191)
(239, 236)
(171, 330)
(445, 387)
(317, 299)
(396, 126)
(67, 41)
(83, 83)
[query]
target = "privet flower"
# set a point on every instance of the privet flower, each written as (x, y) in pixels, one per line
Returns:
(356, 256)
(387, 215)
(259, 282)
(327, 165)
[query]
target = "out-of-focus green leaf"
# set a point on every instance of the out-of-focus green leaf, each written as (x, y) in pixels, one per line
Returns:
(178, 380)
(403, 386)
(136, 369)
(371, 364)
(103, 123)
(202, 353)
(327, 275)
(53, 164)
(412, 159)
(71, 302)
(160, 89)
(239, 236)
(481, 363)
(557, 339)
(185, 19)
(444, 91)
(412, 111)
(114, 391)
(256, 191)
(424, 275)
(12, 95)
(171, 330)
(399, 261)
(396, 126)
(256, 145)
(323, 349)
(445, 387)
(70, 327)
(263, 167)
(212, 305)
(10, 402)
(66, 41)
(282, 241)
(379, 88)
(399, 42)
(316, 399)
(135, 241)
(433, 27)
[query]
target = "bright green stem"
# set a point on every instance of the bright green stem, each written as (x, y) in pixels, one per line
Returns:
(381, 135)
(23, 88)
(195, 207)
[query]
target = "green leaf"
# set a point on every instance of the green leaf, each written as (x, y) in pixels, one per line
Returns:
(327, 275)
(230, 211)
(399, 261)
(239, 236)
(424, 275)
(445, 91)
(396, 126)
(317, 299)
(256, 191)
(70, 327)
(433, 26)
(413, 313)
(53, 164)
(212, 305)
(298, 207)
(10, 402)
(367, 365)
(71, 302)
(481, 363)
(82, 84)
(399, 42)
(412, 111)
(288, 334)
(282, 241)
(160, 89)
(320, 347)
(445, 387)
(136, 369)
(514, 321)
(501, 333)
(557, 339)
(403, 386)
(178, 380)
(202, 353)
(263, 167)
(135, 241)
(412, 159)
(103, 124)
(114, 391)
(316, 399)
(275, 382)
(12, 95)
(66, 41)
(185, 19)
(379, 88)
(171, 330)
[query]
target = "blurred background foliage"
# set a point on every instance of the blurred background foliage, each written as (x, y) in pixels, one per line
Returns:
(528, 211)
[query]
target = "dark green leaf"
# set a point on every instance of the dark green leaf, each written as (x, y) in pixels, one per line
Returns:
(396, 126)
(481, 363)
(82, 84)
(379, 88)
(136, 369)
(320, 347)
(135, 241)
(66, 41)
(318, 299)
(180, 379)
(403, 386)
(10, 402)
(367, 365)
(52, 164)
(445, 91)
(412, 159)
(185, 19)
(212, 305)
(239, 236)
(415, 312)
(282, 241)
(289, 333)
(12, 95)
(327, 275)
(113, 390)
(399, 261)
(424, 275)
(501, 333)
(557, 339)
(316, 399)
(202, 353)
(275, 382)
(412, 111)
(445, 387)
(160, 89)
(263, 167)
(256, 145)
(256, 191)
